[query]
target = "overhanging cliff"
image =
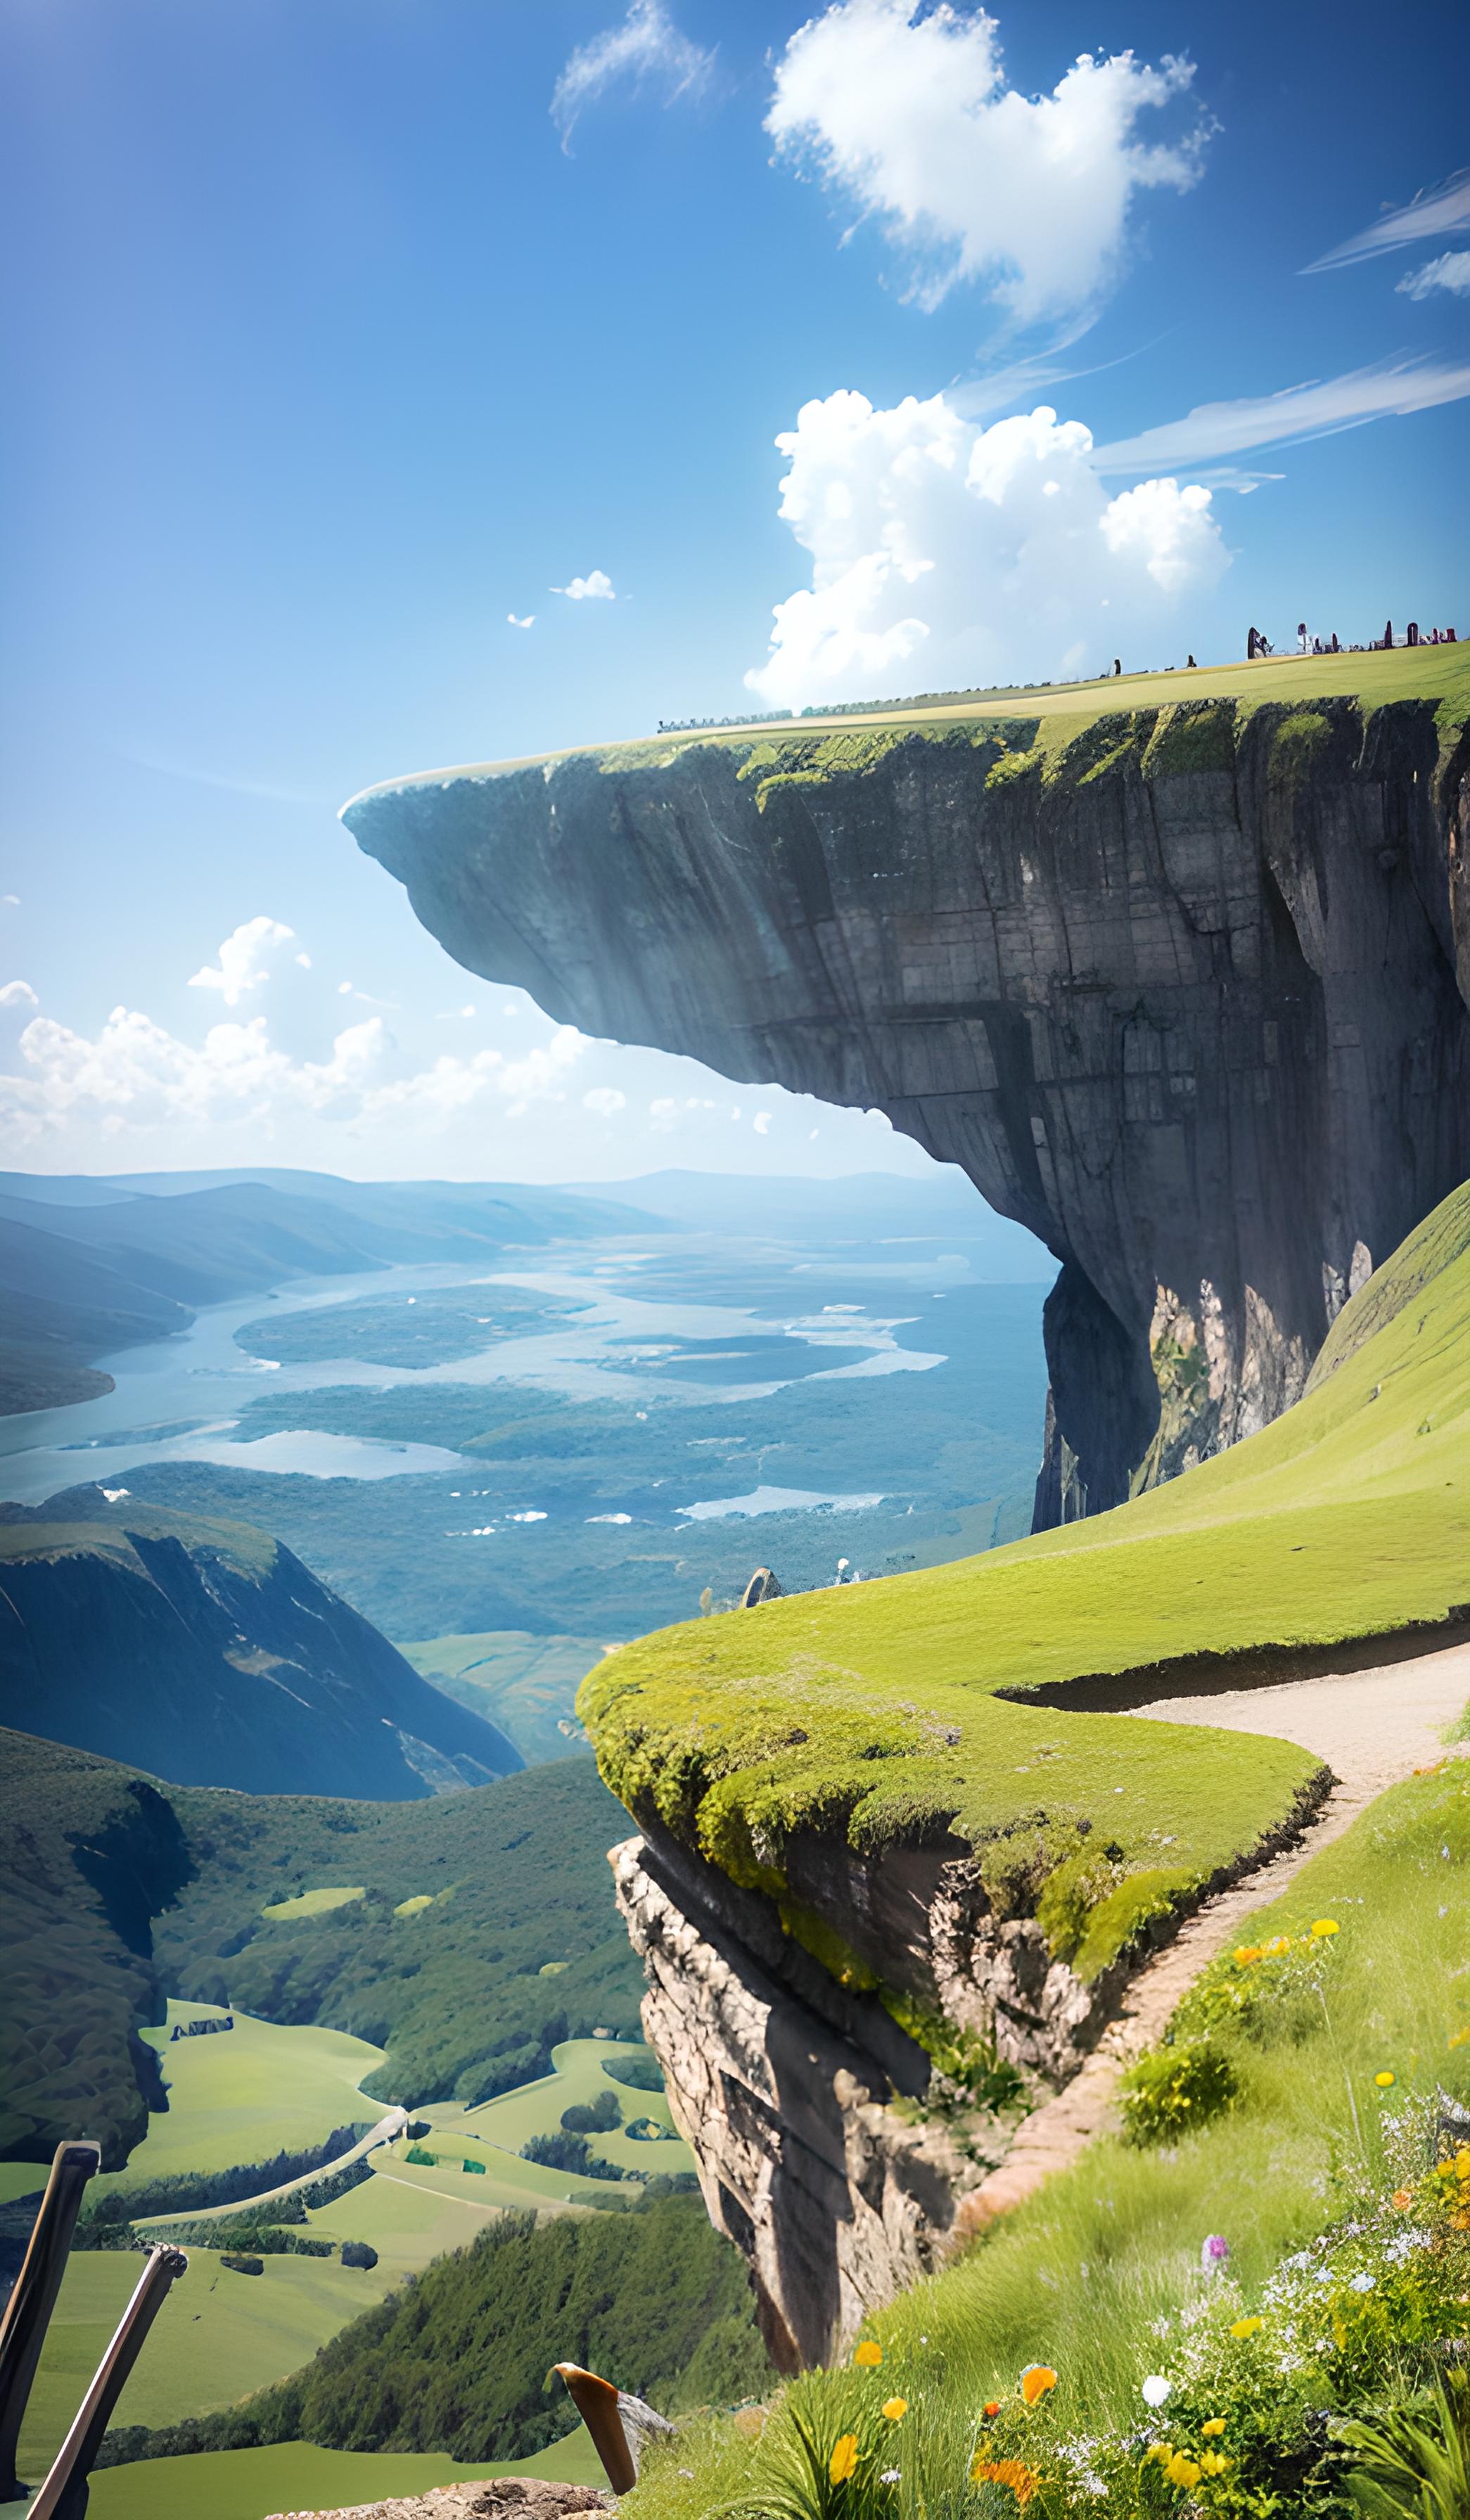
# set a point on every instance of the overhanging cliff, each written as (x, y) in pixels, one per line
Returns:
(1176, 987)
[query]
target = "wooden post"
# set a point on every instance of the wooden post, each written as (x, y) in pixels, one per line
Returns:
(63, 2496)
(28, 2314)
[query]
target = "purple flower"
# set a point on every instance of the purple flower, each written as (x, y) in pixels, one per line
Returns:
(1213, 2253)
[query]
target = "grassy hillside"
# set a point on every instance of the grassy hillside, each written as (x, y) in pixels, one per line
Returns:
(117, 1889)
(1329, 2151)
(457, 2360)
(874, 1711)
(205, 1652)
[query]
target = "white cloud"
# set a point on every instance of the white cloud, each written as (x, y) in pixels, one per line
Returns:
(912, 117)
(761, 1123)
(662, 1111)
(945, 553)
(647, 47)
(10, 901)
(137, 1076)
(1441, 212)
(598, 585)
(519, 622)
(1450, 271)
(1384, 392)
(18, 993)
(305, 961)
(604, 1100)
(244, 963)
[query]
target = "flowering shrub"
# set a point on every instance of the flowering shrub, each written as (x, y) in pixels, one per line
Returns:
(1173, 2089)
(1268, 1992)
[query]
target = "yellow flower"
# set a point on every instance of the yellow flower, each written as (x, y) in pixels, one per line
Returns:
(1163, 2451)
(1247, 2328)
(1245, 1952)
(868, 2354)
(1213, 2464)
(843, 2459)
(1182, 2470)
(895, 2408)
(1324, 1926)
(1035, 2380)
(1215, 2427)
(1385, 2081)
(1461, 2037)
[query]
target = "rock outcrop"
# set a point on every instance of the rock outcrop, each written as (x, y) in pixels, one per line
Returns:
(1178, 994)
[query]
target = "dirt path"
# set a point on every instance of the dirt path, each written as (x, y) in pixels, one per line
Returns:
(1372, 1728)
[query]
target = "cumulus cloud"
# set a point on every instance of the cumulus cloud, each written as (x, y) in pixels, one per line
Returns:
(136, 1075)
(523, 621)
(597, 584)
(911, 117)
(1448, 271)
(1441, 212)
(947, 553)
(18, 993)
(761, 1123)
(1389, 389)
(245, 960)
(646, 50)
(604, 1100)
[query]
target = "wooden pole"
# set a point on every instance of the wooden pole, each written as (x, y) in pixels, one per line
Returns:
(63, 2496)
(28, 2313)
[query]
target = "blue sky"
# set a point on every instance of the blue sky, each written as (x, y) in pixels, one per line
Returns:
(333, 347)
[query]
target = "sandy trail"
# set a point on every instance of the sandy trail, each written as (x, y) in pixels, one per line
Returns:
(1371, 1729)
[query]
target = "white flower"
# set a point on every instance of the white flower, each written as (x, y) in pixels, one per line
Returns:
(889, 2475)
(1156, 2390)
(1361, 2283)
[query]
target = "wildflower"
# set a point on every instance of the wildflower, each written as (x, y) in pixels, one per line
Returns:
(1461, 2037)
(1156, 2390)
(1013, 2472)
(1324, 1926)
(1182, 2470)
(1035, 2380)
(890, 2476)
(1244, 2327)
(1245, 1952)
(844, 2459)
(1402, 2199)
(895, 2408)
(1385, 2081)
(1213, 2428)
(1360, 2283)
(1161, 2452)
(1213, 2464)
(992, 2406)
(868, 2354)
(1214, 2251)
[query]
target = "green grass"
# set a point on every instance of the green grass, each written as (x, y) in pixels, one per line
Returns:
(246, 2094)
(409, 2222)
(525, 1683)
(319, 1902)
(537, 2109)
(218, 2336)
(1438, 674)
(871, 1711)
(1077, 2276)
(296, 2476)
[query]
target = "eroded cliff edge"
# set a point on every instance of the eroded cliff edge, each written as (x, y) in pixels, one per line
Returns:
(1177, 988)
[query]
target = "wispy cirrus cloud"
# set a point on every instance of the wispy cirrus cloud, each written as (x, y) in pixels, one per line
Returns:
(1216, 429)
(646, 50)
(1441, 212)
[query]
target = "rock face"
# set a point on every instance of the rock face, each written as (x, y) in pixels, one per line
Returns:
(1179, 996)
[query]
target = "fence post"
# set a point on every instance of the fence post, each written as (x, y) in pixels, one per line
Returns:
(28, 2313)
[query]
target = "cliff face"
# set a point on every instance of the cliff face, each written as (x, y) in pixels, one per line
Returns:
(1178, 994)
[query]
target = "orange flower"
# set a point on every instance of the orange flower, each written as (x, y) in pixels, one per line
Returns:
(992, 2406)
(1013, 2472)
(1035, 2380)
(868, 2354)
(1245, 1952)
(1403, 2198)
(843, 2459)
(895, 2408)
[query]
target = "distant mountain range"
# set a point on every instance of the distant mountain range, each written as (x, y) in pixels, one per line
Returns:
(91, 1266)
(206, 1653)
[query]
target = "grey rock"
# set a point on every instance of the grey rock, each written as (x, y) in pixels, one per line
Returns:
(1198, 1027)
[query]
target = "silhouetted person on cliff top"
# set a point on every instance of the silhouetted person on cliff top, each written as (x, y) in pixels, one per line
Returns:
(1116, 666)
(1388, 634)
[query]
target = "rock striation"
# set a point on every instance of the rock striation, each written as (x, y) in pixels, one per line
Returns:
(1177, 988)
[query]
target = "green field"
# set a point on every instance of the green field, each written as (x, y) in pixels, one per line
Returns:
(525, 1683)
(873, 1711)
(296, 2476)
(218, 2336)
(1377, 678)
(246, 2094)
(536, 2108)
(317, 1903)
